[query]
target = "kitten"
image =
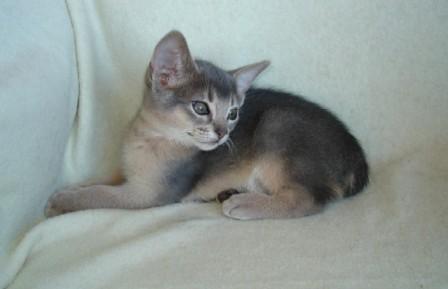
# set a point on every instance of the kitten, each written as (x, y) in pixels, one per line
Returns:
(203, 134)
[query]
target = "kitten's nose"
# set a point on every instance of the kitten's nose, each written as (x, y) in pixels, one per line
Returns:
(220, 132)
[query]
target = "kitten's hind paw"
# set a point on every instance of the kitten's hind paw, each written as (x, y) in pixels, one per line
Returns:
(247, 206)
(224, 195)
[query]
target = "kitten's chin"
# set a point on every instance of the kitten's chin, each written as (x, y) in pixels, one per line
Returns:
(207, 146)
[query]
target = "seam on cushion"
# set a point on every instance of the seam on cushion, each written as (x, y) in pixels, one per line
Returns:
(78, 74)
(62, 179)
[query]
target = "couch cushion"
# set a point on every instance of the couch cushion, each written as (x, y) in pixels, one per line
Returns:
(38, 98)
(392, 236)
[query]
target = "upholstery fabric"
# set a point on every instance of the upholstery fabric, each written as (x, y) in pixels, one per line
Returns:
(38, 99)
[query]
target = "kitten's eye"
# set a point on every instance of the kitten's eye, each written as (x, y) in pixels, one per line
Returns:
(200, 107)
(233, 114)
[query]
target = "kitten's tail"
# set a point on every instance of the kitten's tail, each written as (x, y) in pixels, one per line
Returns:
(359, 179)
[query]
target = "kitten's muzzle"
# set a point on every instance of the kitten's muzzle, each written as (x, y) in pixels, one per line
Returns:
(220, 132)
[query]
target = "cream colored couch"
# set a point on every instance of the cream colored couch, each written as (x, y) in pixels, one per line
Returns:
(71, 79)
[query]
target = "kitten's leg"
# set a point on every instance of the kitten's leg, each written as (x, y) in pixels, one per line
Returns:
(209, 188)
(98, 196)
(254, 205)
(270, 194)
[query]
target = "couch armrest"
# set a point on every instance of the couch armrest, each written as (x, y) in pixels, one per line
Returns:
(38, 99)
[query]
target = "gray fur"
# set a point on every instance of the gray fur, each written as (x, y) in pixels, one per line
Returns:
(180, 176)
(221, 81)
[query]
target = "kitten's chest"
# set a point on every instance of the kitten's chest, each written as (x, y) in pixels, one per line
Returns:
(161, 165)
(180, 176)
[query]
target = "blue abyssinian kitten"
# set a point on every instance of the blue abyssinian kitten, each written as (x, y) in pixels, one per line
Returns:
(203, 134)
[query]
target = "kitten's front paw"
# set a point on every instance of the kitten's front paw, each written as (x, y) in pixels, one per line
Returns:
(60, 202)
(54, 205)
(52, 211)
(245, 206)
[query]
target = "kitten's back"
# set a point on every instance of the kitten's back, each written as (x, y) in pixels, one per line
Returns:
(317, 147)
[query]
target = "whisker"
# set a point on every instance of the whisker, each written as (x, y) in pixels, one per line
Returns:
(231, 146)
(231, 142)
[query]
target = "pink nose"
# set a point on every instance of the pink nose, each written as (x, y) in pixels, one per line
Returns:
(220, 132)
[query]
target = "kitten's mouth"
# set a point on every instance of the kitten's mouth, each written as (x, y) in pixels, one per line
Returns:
(207, 145)
(209, 142)
(210, 145)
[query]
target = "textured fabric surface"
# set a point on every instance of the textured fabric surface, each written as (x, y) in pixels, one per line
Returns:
(38, 94)
(393, 236)
(381, 66)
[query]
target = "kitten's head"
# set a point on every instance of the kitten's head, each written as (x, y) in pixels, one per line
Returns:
(197, 102)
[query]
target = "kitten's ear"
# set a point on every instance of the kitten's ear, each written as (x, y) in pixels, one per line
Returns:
(171, 63)
(245, 75)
